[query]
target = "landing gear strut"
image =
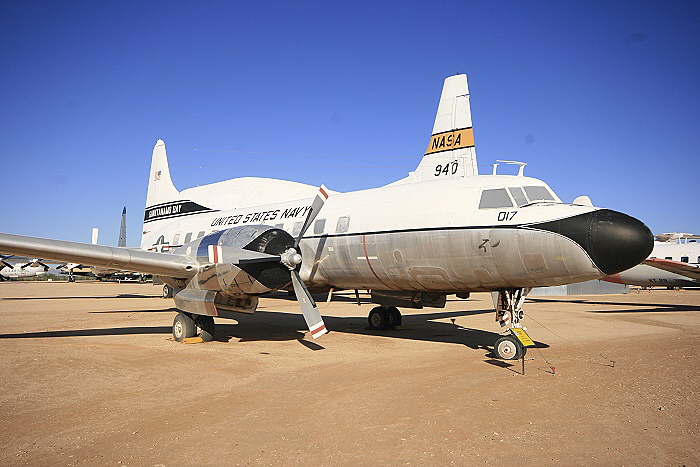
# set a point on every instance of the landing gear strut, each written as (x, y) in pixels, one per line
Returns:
(509, 313)
(384, 318)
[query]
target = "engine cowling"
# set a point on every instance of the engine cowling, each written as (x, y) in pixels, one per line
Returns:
(241, 261)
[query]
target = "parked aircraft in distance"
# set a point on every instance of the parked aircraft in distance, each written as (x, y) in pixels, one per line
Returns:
(32, 268)
(674, 262)
(443, 229)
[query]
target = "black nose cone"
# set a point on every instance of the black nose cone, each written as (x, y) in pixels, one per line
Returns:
(618, 241)
(614, 241)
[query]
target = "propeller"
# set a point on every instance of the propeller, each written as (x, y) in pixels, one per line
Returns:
(34, 263)
(291, 258)
(316, 206)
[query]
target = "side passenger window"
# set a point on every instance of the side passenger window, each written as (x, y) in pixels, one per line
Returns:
(343, 225)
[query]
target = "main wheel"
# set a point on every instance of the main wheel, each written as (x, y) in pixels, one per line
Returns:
(379, 318)
(508, 348)
(205, 326)
(167, 291)
(394, 316)
(183, 327)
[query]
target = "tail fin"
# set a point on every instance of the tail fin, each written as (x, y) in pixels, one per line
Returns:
(161, 191)
(451, 151)
(160, 186)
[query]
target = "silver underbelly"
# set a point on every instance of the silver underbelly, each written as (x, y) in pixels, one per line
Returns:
(449, 260)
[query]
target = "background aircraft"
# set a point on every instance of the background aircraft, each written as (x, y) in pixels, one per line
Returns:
(442, 229)
(674, 262)
(31, 268)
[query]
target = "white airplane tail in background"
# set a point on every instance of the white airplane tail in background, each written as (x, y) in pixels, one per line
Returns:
(451, 151)
(163, 202)
(160, 185)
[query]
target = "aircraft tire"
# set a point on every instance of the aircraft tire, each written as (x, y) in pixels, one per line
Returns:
(206, 327)
(167, 291)
(508, 348)
(395, 316)
(379, 318)
(183, 327)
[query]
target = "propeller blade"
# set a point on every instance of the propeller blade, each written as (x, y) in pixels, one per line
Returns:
(259, 259)
(316, 206)
(7, 265)
(308, 307)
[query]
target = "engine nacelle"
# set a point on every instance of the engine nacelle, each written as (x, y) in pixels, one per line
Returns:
(240, 262)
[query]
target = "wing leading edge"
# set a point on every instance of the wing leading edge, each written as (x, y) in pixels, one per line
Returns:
(160, 264)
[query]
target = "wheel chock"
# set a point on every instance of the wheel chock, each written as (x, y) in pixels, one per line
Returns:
(192, 340)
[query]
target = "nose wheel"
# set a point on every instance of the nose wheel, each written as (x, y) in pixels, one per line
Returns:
(509, 348)
(509, 313)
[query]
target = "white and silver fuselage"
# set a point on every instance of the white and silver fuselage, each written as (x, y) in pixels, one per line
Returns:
(459, 234)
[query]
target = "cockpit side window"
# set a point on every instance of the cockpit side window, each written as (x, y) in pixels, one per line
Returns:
(518, 195)
(496, 198)
(538, 193)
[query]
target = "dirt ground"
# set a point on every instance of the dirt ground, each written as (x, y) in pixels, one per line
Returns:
(90, 375)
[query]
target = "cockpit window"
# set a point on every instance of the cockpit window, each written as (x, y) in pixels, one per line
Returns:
(518, 195)
(538, 193)
(497, 198)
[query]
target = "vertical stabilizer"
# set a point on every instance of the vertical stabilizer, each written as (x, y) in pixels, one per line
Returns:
(122, 230)
(160, 186)
(451, 151)
(162, 198)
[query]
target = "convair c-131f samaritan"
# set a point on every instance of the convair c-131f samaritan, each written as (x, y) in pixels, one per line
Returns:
(443, 229)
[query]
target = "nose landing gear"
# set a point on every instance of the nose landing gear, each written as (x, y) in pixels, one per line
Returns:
(509, 313)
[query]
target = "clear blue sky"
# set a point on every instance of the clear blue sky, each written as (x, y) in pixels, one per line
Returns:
(599, 98)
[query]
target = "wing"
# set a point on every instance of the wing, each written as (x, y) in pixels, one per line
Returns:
(684, 269)
(161, 264)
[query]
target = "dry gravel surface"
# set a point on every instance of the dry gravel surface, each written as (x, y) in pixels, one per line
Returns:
(89, 375)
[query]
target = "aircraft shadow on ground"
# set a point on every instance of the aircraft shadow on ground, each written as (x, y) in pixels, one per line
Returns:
(91, 297)
(636, 307)
(162, 310)
(91, 332)
(271, 325)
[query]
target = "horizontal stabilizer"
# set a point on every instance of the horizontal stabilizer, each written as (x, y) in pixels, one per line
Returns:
(160, 264)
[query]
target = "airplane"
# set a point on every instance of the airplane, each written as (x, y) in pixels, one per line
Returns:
(32, 268)
(443, 229)
(674, 262)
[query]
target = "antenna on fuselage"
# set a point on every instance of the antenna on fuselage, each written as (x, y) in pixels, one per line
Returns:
(521, 170)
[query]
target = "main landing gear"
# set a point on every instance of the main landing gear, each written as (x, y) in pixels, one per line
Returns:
(509, 312)
(187, 325)
(384, 318)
